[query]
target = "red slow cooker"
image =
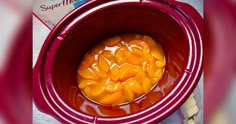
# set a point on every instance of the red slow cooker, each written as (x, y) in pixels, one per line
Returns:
(176, 26)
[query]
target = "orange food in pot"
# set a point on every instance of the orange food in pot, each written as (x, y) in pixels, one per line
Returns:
(121, 69)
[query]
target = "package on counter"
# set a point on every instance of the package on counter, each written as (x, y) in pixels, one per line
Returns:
(51, 11)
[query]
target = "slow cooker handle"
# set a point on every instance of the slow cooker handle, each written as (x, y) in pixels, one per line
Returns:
(38, 97)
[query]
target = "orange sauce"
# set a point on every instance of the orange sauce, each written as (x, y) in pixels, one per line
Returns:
(121, 69)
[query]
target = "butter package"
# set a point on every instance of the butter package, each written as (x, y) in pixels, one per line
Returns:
(51, 11)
